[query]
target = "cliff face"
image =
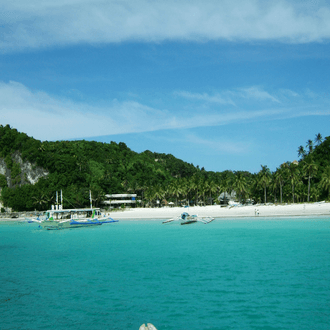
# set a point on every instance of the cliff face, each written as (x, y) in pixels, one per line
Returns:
(21, 172)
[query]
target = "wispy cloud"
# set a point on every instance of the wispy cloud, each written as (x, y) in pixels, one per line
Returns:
(39, 23)
(231, 97)
(205, 97)
(48, 117)
(258, 94)
(220, 144)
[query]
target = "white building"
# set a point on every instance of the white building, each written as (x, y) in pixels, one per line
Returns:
(115, 200)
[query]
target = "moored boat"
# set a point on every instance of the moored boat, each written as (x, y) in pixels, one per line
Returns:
(73, 218)
(186, 219)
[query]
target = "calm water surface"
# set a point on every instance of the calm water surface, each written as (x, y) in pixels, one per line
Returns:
(229, 274)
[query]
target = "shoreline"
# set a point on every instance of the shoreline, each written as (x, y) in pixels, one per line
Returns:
(217, 212)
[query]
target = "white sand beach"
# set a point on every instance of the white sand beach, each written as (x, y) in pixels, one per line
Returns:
(215, 211)
(308, 209)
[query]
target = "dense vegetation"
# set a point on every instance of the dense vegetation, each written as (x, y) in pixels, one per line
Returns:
(79, 166)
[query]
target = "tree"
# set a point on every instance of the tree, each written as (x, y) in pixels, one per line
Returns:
(325, 180)
(203, 188)
(279, 179)
(318, 139)
(195, 183)
(3, 181)
(41, 200)
(226, 184)
(310, 146)
(264, 178)
(309, 169)
(301, 152)
(158, 194)
(183, 184)
(239, 185)
(79, 166)
(212, 187)
(315, 193)
(185, 188)
(175, 190)
(294, 175)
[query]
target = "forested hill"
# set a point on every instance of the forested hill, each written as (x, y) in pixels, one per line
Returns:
(77, 167)
(32, 171)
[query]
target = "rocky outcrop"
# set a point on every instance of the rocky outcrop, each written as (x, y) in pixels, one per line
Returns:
(27, 173)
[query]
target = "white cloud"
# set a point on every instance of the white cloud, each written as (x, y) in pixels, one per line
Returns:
(40, 23)
(204, 97)
(257, 93)
(289, 93)
(48, 117)
(230, 97)
(222, 144)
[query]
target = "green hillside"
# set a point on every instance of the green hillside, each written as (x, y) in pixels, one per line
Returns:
(75, 167)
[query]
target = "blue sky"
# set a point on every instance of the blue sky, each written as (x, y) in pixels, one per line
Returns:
(220, 84)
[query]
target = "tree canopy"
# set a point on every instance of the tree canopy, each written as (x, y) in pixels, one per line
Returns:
(75, 167)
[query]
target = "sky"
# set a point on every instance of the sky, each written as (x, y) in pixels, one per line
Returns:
(225, 85)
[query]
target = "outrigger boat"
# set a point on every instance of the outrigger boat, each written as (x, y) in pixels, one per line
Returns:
(59, 218)
(186, 219)
(73, 218)
(37, 219)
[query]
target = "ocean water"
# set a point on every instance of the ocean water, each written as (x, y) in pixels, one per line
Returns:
(229, 274)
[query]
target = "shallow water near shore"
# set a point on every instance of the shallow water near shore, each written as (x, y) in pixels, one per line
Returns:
(229, 274)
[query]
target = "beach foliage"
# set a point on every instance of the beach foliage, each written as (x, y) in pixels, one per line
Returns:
(77, 167)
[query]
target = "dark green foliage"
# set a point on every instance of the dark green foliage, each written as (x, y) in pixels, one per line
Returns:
(19, 198)
(79, 166)
(76, 167)
(15, 172)
(3, 181)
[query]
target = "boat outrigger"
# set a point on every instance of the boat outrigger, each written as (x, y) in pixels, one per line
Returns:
(59, 218)
(186, 219)
(73, 218)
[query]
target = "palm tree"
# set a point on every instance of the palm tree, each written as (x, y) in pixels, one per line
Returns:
(279, 178)
(196, 182)
(318, 139)
(175, 190)
(315, 193)
(184, 187)
(310, 146)
(273, 186)
(190, 188)
(264, 178)
(301, 152)
(213, 188)
(156, 193)
(149, 194)
(141, 189)
(159, 193)
(300, 191)
(294, 175)
(226, 185)
(203, 189)
(309, 169)
(41, 200)
(325, 180)
(240, 185)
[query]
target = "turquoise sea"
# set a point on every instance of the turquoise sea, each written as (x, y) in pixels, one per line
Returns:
(230, 274)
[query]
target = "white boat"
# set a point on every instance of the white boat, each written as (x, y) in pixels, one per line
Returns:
(73, 218)
(186, 219)
(59, 218)
(149, 326)
(37, 219)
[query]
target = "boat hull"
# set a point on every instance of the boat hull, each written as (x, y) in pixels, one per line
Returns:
(57, 225)
(188, 222)
(186, 219)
